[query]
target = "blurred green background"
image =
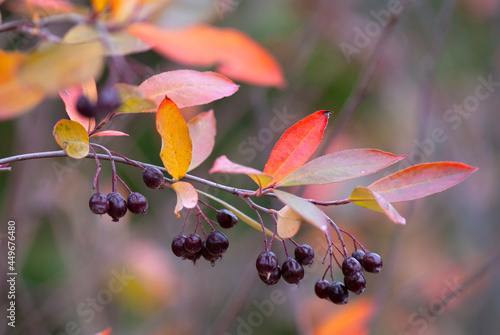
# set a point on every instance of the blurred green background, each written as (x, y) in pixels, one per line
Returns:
(79, 273)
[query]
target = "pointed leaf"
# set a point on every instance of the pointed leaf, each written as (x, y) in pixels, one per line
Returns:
(296, 145)
(224, 165)
(304, 208)
(186, 196)
(289, 222)
(187, 87)
(16, 97)
(55, 66)
(242, 216)
(234, 53)
(109, 133)
(175, 145)
(340, 166)
(133, 100)
(72, 137)
(70, 97)
(202, 130)
(421, 180)
(374, 201)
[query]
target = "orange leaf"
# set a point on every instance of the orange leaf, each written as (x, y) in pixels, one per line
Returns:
(296, 145)
(202, 130)
(15, 97)
(109, 133)
(421, 180)
(186, 196)
(187, 87)
(234, 53)
(352, 319)
(374, 201)
(176, 144)
(224, 165)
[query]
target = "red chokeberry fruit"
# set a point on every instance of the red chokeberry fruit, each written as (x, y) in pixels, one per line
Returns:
(321, 288)
(99, 203)
(217, 243)
(137, 203)
(152, 177)
(117, 206)
(355, 284)
(178, 246)
(193, 243)
(271, 278)
(372, 262)
(304, 254)
(337, 293)
(292, 271)
(351, 267)
(226, 218)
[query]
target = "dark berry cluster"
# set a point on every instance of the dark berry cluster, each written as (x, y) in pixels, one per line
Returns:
(107, 102)
(354, 281)
(115, 205)
(292, 269)
(192, 247)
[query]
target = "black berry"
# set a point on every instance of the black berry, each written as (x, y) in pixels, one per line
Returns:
(304, 254)
(99, 203)
(271, 278)
(178, 246)
(85, 107)
(372, 262)
(266, 263)
(206, 254)
(117, 206)
(337, 293)
(108, 99)
(321, 288)
(193, 243)
(217, 243)
(351, 267)
(137, 203)
(358, 254)
(153, 178)
(226, 218)
(194, 257)
(355, 284)
(292, 271)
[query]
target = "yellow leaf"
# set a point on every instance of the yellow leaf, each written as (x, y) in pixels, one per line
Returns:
(186, 196)
(289, 222)
(72, 137)
(15, 97)
(133, 100)
(99, 5)
(57, 66)
(176, 144)
(374, 201)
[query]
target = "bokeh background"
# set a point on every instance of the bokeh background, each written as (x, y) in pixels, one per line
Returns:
(79, 273)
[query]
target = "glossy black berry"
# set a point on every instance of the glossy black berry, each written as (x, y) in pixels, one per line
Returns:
(178, 246)
(351, 267)
(292, 271)
(266, 263)
(372, 262)
(321, 288)
(117, 206)
(358, 254)
(206, 254)
(217, 243)
(99, 203)
(85, 107)
(152, 177)
(108, 99)
(226, 218)
(194, 257)
(271, 278)
(355, 284)
(137, 203)
(337, 293)
(193, 243)
(304, 254)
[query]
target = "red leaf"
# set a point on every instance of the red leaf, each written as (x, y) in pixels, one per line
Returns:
(224, 165)
(187, 87)
(202, 131)
(109, 133)
(421, 180)
(340, 166)
(235, 54)
(296, 145)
